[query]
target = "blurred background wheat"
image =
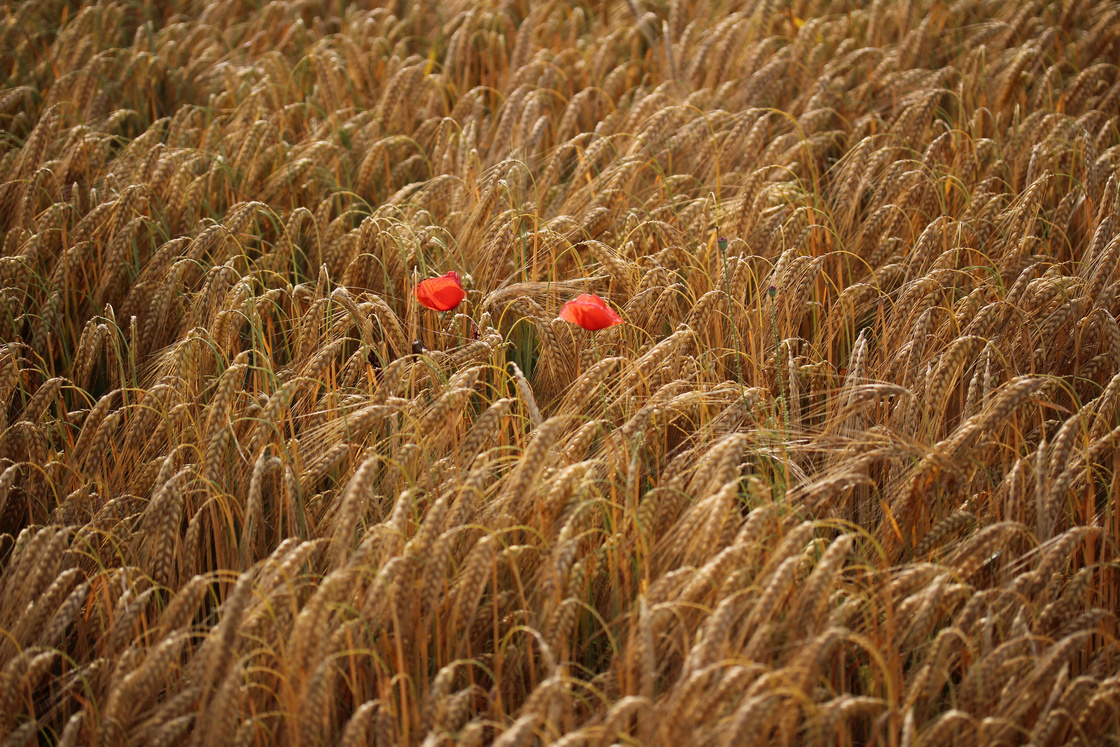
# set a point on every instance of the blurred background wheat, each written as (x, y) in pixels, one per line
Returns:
(847, 475)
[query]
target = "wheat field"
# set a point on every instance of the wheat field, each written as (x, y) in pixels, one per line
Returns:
(847, 475)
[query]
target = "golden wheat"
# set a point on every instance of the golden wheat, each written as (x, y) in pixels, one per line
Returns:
(845, 476)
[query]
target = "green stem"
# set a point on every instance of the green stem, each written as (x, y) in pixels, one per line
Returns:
(722, 244)
(778, 357)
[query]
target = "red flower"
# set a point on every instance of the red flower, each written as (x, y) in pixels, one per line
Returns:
(442, 293)
(590, 312)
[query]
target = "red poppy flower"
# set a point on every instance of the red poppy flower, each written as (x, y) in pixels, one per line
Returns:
(590, 312)
(442, 293)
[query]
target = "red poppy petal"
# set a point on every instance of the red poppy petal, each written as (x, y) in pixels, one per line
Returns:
(592, 299)
(590, 312)
(568, 312)
(442, 293)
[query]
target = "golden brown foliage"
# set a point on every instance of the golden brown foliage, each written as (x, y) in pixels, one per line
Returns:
(848, 475)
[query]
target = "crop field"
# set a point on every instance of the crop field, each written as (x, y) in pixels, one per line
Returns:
(846, 473)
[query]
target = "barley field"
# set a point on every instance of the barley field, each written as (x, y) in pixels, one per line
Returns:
(847, 474)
